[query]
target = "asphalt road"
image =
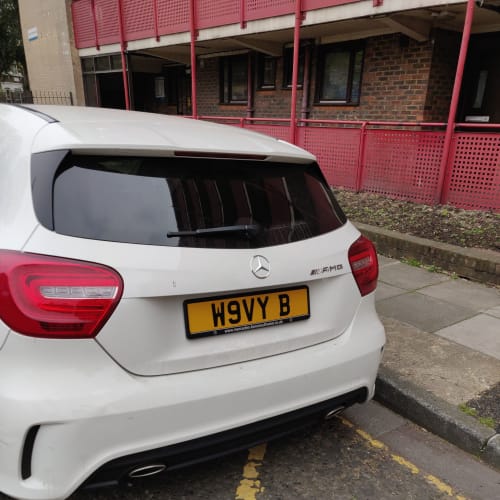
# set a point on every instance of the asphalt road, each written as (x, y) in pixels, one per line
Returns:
(369, 453)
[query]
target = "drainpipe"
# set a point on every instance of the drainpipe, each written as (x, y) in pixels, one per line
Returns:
(445, 170)
(305, 87)
(194, 35)
(94, 19)
(243, 23)
(295, 70)
(155, 14)
(250, 87)
(123, 47)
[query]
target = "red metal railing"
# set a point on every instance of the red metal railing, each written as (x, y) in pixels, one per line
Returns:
(397, 159)
(95, 22)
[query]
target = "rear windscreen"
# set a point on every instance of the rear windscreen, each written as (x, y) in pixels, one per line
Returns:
(192, 202)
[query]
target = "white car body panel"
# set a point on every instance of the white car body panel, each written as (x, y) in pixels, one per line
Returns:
(146, 334)
(111, 396)
(17, 218)
(90, 404)
(144, 132)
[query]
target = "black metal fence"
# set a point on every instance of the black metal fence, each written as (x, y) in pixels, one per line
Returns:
(40, 97)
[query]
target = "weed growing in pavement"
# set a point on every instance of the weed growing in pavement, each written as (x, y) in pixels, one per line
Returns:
(432, 268)
(416, 263)
(488, 421)
(472, 412)
(411, 261)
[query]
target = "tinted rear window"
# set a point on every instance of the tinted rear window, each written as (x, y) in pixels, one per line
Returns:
(240, 203)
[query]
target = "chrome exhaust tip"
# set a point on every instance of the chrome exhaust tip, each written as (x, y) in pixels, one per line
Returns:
(334, 412)
(146, 471)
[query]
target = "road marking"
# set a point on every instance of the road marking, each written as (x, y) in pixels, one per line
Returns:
(373, 442)
(250, 486)
(402, 461)
(436, 482)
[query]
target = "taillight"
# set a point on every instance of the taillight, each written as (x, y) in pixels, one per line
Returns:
(44, 296)
(364, 264)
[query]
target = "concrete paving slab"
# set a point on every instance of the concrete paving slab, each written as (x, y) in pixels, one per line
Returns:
(482, 333)
(494, 312)
(425, 376)
(409, 277)
(385, 291)
(449, 370)
(384, 261)
(465, 293)
(375, 419)
(426, 313)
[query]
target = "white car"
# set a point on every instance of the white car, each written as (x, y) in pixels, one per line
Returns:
(170, 290)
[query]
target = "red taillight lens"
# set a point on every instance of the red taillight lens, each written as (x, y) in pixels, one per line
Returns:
(43, 296)
(364, 264)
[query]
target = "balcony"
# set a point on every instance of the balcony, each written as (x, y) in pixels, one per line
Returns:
(97, 22)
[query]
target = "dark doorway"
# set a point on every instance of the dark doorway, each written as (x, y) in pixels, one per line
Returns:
(178, 89)
(111, 90)
(480, 96)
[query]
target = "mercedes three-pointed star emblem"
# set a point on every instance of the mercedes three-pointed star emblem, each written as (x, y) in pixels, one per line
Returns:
(260, 266)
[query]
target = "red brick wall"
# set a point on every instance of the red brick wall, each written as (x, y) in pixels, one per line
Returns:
(267, 103)
(276, 103)
(442, 75)
(402, 80)
(394, 82)
(207, 89)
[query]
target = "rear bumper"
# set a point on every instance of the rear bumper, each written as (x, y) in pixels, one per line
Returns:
(216, 445)
(90, 412)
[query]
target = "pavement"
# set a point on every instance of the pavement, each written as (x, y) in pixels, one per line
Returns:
(441, 365)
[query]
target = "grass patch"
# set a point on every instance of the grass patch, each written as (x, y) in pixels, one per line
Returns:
(472, 412)
(488, 421)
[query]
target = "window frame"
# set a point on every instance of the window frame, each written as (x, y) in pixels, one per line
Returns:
(226, 63)
(261, 59)
(288, 66)
(352, 48)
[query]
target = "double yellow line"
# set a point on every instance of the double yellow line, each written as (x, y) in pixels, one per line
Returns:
(250, 485)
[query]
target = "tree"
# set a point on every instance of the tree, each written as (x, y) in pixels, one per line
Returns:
(11, 43)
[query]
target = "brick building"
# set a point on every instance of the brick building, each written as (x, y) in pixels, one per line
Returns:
(356, 61)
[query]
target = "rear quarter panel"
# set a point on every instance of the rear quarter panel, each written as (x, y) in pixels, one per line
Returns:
(18, 129)
(17, 219)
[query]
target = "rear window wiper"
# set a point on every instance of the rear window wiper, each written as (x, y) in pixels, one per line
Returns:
(247, 230)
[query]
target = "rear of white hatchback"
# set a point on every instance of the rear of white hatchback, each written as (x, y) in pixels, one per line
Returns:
(170, 291)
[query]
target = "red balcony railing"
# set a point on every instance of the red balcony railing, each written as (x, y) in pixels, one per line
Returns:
(400, 160)
(96, 22)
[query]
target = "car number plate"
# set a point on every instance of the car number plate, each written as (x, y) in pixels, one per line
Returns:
(237, 313)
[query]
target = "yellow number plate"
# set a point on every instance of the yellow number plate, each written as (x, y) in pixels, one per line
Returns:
(236, 313)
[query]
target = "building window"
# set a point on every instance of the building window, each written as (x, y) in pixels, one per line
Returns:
(234, 79)
(339, 74)
(266, 72)
(94, 69)
(102, 64)
(288, 67)
(480, 89)
(160, 87)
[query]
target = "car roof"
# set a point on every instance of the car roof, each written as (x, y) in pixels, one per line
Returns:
(95, 129)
